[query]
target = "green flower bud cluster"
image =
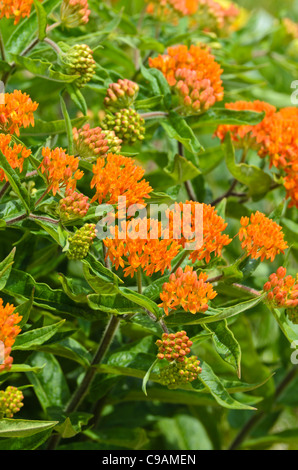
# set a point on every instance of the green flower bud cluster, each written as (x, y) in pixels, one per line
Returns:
(78, 60)
(127, 125)
(80, 242)
(121, 95)
(180, 373)
(11, 401)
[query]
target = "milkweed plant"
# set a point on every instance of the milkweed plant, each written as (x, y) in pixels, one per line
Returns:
(148, 225)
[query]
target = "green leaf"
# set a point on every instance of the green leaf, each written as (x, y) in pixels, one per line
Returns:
(226, 344)
(252, 176)
(43, 68)
(36, 337)
(148, 103)
(287, 327)
(180, 318)
(121, 437)
(26, 443)
(73, 424)
(49, 384)
(289, 436)
(27, 28)
(147, 376)
(140, 299)
(15, 182)
(217, 116)
(215, 387)
(42, 19)
(6, 267)
(77, 97)
(23, 427)
(182, 170)
(177, 128)
(44, 129)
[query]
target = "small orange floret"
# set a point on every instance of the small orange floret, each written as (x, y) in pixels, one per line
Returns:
(61, 169)
(187, 290)
(261, 237)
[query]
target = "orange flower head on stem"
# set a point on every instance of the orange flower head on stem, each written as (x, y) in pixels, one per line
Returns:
(282, 292)
(9, 330)
(16, 9)
(16, 111)
(197, 59)
(187, 290)
(116, 176)
(60, 169)
(261, 237)
(15, 154)
(173, 346)
(139, 244)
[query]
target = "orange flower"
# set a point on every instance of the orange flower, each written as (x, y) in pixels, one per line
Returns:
(247, 135)
(172, 10)
(279, 140)
(61, 170)
(291, 185)
(261, 237)
(207, 234)
(283, 292)
(185, 289)
(17, 111)
(291, 27)
(196, 96)
(116, 176)
(139, 244)
(16, 9)
(14, 155)
(9, 330)
(197, 58)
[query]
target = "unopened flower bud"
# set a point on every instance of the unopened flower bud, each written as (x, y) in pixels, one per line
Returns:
(78, 60)
(80, 242)
(91, 144)
(11, 401)
(74, 13)
(127, 125)
(180, 373)
(121, 95)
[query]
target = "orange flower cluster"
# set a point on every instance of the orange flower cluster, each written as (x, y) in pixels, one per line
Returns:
(174, 346)
(16, 9)
(17, 111)
(9, 330)
(73, 206)
(187, 290)
(116, 176)
(274, 138)
(196, 96)
(139, 244)
(61, 169)
(291, 27)
(282, 289)
(207, 233)
(196, 58)
(261, 237)
(15, 155)
(212, 16)
(172, 10)
(247, 135)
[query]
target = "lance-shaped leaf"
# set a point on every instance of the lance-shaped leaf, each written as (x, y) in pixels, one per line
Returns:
(23, 427)
(15, 182)
(6, 267)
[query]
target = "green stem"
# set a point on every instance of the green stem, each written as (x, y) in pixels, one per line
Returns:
(252, 423)
(2, 49)
(153, 115)
(139, 280)
(4, 189)
(84, 386)
(180, 262)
